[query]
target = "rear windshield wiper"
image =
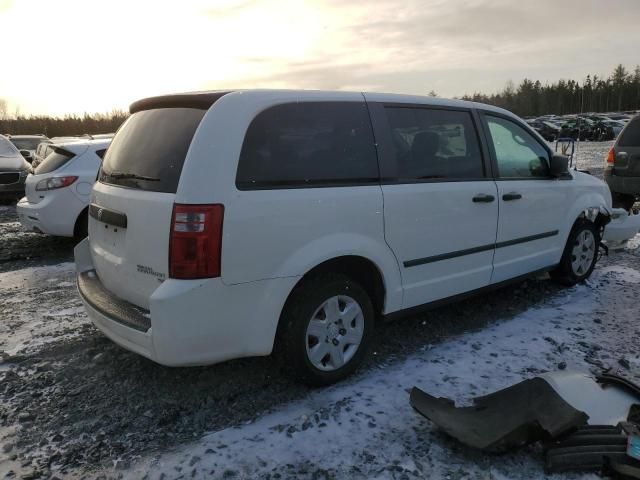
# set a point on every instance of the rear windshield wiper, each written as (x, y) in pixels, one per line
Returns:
(132, 176)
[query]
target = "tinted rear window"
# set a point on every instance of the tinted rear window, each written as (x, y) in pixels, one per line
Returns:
(630, 137)
(149, 150)
(54, 161)
(308, 144)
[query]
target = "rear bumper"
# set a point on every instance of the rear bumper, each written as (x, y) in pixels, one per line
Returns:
(620, 184)
(191, 322)
(56, 214)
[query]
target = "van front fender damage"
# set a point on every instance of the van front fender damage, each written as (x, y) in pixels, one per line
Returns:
(600, 216)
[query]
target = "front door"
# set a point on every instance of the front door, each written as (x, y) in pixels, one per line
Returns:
(532, 203)
(440, 203)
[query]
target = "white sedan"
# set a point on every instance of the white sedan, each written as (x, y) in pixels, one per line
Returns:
(58, 191)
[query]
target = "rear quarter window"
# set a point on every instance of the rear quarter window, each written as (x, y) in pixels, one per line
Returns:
(630, 136)
(149, 150)
(308, 144)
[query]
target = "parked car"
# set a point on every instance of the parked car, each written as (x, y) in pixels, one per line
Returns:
(28, 143)
(13, 170)
(233, 224)
(622, 171)
(548, 130)
(577, 129)
(58, 191)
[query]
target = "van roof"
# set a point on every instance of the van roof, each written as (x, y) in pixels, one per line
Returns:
(205, 99)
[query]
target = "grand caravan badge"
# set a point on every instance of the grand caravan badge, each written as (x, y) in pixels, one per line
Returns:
(150, 271)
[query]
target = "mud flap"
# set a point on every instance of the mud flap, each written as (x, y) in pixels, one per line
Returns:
(518, 415)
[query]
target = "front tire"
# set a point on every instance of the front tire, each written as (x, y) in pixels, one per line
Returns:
(580, 254)
(326, 329)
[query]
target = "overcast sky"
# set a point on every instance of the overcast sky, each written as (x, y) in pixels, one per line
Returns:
(63, 56)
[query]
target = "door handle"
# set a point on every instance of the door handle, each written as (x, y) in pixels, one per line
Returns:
(483, 198)
(511, 196)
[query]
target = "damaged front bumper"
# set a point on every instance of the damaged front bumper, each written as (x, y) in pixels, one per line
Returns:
(624, 225)
(529, 411)
(583, 422)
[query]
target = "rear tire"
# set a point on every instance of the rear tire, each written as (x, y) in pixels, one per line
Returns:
(580, 254)
(326, 329)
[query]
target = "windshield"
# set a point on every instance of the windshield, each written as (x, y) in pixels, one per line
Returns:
(149, 150)
(6, 148)
(27, 143)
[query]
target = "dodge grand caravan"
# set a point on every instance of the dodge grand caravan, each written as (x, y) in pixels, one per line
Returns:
(232, 224)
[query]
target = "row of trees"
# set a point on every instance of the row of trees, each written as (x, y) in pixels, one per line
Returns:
(63, 126)
(618, 92)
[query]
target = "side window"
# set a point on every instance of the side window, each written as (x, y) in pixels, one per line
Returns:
(308, 144)
(434, 144)
(519, 154)
(100, 153)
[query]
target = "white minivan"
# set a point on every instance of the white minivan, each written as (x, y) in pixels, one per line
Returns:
(233, 224)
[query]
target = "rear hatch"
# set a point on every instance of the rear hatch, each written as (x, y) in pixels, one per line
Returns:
(627, 150)
(132, 202)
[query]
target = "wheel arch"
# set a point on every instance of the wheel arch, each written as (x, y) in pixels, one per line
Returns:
(360, 269)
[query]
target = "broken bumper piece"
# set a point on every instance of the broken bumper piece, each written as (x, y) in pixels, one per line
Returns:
(524, 413)
(586, 425)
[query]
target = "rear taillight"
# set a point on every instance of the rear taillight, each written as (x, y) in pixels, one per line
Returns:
(195, 246)
(54, 183)
(611, 157)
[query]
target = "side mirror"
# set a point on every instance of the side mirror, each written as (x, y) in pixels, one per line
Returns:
(27, 155)
(559, 166)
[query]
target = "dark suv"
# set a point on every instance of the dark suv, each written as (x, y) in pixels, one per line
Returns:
(623, 166)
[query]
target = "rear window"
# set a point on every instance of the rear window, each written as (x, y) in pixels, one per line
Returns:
(631, 135)
(54, 161)
(149, 150)
(308, 144)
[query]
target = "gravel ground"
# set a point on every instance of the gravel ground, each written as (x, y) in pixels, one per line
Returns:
(72, 403)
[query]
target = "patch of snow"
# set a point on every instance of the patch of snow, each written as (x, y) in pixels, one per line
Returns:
(31, 318)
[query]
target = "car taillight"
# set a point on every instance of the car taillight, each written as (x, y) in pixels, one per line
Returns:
(54, 182)
(195, 245)
(611, 157)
